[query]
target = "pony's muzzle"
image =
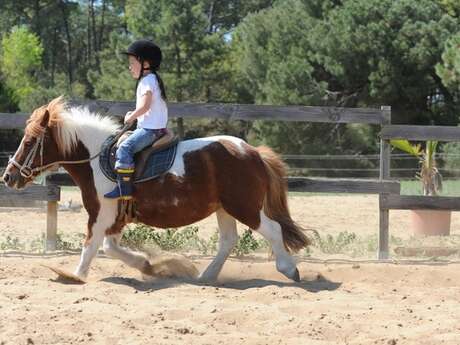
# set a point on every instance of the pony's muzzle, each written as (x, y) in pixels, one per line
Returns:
(6, 178)
(9, 180)
(12, 178)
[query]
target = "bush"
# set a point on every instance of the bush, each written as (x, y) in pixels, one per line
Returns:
(169, 239)
(452, 159)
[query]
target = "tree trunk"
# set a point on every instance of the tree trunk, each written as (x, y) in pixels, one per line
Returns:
(53, 54)
(88, 33)
(180, 120)
(94, 33)
(210, 17)
(65, 20)
(38, 28)
(101, 31)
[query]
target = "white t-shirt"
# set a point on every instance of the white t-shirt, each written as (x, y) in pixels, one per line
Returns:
(157, 116)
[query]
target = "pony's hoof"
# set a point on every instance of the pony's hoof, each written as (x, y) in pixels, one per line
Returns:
(296, 276)
(147, 269)
(205, 279)
(65, 276)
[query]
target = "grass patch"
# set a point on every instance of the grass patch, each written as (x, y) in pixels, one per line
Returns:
(142, 236)
(347, 243)
(414, 187)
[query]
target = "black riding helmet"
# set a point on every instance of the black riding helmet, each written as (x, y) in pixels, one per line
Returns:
(145, 50)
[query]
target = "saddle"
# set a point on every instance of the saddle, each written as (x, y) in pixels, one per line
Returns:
(150, 163)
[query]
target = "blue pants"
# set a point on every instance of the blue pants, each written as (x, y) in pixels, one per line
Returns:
(141, 138)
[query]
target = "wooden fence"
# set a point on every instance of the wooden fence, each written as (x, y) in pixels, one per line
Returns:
(389, 191)
(50, 193)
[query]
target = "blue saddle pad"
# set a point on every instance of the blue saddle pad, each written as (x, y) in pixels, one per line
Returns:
(156, 164)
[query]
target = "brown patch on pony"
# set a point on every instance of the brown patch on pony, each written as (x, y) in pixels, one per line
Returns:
(234, 164)
(275, 204)
(172, 201)
(220, 175)
(209, 183)
(82, 175)
(116, 227)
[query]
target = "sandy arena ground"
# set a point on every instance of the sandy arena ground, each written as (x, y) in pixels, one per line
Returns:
(346, 302)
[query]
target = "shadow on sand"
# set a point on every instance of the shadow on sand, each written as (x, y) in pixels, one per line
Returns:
(316, 285)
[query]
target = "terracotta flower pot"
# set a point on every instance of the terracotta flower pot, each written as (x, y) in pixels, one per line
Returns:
(430, 222)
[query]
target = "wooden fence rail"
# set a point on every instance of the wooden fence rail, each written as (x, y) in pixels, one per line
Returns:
(49, 193)
(246, 112)
(421, 133)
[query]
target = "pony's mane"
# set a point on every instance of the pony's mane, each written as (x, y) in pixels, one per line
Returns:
(69, 125)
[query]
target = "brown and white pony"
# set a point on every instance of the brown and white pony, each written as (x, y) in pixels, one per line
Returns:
(221, 174)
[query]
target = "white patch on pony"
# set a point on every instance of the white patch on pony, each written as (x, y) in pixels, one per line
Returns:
(271, 230)
(92, 130)
(104, 220)
(187, 146)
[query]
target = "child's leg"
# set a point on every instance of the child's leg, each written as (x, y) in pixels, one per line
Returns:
(124, 165)
(140, 138)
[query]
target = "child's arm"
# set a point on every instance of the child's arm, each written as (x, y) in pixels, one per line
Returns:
(145, 103)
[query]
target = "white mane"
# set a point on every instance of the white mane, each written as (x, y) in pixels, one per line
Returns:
(91, 129)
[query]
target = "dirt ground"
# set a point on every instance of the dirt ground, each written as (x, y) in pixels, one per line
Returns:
(252, 304)
(336, 302)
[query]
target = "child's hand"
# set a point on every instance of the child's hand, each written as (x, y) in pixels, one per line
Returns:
(128, 117)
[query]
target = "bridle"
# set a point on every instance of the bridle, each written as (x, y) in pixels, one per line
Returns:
(26, 170)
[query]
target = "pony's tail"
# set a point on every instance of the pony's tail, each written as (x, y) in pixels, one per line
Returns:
(275, 203)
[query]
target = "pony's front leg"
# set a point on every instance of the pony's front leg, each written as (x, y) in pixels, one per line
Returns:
(103, 220)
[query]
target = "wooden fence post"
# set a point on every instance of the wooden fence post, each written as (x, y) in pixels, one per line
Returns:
(51, 226)
(384, 175)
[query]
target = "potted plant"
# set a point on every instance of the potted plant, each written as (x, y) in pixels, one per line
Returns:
(427, 222)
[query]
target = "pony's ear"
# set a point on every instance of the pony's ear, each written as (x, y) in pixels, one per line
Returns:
(45, 119)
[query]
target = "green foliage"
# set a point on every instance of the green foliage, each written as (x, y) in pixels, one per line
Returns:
(113, 80)
(334, 245)
(429, 174)
(449, 188)
(247, 244)
(452, 160)
(404, 145)
(348, 243)
(274, 55)
(141, 235)
(21, 57)
(449, 70)
(353, 53)
(194, 51)
(11, 243)
(72, 241)
(452, 7)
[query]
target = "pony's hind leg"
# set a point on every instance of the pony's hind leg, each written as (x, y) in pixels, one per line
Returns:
(227, 239)
(136, 260)
(271, 230)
